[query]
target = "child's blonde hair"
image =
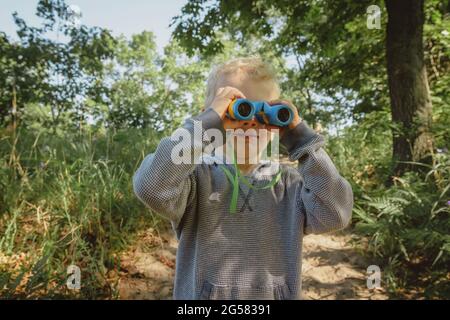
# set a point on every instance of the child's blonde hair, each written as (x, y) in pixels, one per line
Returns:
(254, 67)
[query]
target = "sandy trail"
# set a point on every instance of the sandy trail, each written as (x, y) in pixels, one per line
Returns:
(332, 268)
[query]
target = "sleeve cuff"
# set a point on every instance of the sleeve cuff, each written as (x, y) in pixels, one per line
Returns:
(210, 120)
(298, 137)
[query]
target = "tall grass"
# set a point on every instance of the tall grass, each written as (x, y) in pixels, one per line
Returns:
(68, 200)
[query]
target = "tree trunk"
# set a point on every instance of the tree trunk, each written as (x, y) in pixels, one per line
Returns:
(408, 85)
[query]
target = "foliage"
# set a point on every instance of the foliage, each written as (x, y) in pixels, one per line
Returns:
(68, 200)
(151, 90)
(60, 73)
(408, 226)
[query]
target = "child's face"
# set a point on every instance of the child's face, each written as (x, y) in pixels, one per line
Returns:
(255, 91)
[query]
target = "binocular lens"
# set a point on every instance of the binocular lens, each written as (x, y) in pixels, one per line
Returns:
(283, 115)
(245, 109)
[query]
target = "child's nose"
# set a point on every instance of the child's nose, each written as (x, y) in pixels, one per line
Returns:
(253, 123)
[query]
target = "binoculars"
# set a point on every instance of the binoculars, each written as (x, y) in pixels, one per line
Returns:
(277, 115)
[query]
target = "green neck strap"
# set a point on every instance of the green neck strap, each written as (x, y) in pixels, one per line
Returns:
(234, 180)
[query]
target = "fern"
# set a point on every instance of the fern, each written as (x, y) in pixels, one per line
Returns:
(409, 226)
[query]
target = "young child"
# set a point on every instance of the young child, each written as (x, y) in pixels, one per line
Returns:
(255, 253)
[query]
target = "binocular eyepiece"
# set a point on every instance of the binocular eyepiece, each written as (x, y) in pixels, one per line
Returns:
(278, 115)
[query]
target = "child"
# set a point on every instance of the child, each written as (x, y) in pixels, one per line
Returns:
(255, 253)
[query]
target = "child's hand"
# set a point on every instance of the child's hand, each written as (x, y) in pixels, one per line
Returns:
(223, 98)
(296, 119)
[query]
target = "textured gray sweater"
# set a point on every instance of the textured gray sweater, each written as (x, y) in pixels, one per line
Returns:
(257, 252)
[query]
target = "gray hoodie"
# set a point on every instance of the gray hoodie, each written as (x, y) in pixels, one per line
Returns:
(255, 253)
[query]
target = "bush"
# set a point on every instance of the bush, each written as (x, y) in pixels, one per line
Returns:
(407, 224)
(409, 229)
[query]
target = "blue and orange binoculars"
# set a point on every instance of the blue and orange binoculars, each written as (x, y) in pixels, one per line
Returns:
(277, 115)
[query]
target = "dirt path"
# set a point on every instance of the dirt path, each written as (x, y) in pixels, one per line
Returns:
(332, 268)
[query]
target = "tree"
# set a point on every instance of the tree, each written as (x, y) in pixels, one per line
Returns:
(21, 76)
(147, 89)
(59, 73)
(408, 82)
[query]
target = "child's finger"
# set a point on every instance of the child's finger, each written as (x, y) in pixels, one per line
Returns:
(233, 93)
(238, 94)
(280, 101)
(219, 91)
(273, 102)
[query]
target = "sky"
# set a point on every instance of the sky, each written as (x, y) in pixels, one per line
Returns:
(121, 16)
